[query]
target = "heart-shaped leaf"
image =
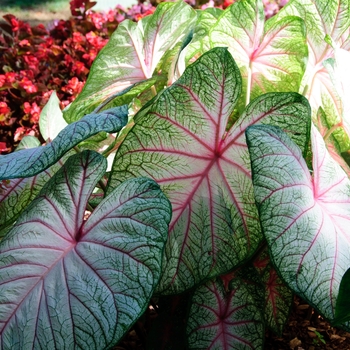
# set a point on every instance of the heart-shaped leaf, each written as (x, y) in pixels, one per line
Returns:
(28, 141)
(67, 282)
(305, 219)
(278, 297)
(223, 320)
(200, 42)
(51, 120)
(29, 162)
(181, 142)
(336, 139)
(271, 57)
(16, 194)
(322, 18)
(132, 54)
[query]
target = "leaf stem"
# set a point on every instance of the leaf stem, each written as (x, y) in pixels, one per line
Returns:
(102, 185)
(249, 83)
(110, 148)
(154, 91)
(89, 207)
(331, 130)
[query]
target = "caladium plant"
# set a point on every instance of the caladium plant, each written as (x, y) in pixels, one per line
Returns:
(222, 196)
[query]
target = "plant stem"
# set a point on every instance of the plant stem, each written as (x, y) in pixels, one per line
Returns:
(102, 185)
(249, 83)
(89, 208)
(331, 130)
(154, 91)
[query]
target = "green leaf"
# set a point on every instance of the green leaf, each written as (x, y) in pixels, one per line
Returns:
(278, 297)
(322, 18)
(271, 58)
(17, 194)
(305, 219)
(51, 120)
(221, 320)
(29, 162)
(131, 55)
(336, 139)
(200, 42)
(342, 306)
(181, 141)
(28, 142)
(67, 282)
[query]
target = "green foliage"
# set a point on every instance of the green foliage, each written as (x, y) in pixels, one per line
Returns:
(200, 176)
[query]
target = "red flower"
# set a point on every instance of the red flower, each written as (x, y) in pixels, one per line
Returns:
(98, 20)
(78, 38)
(68, 59)
(227, 3)
(4, 149)
(79, 68)
(19, 133)
(33, 111)
(26, 107)
(95, 40)
(5, 111)
(32, 62)
(2, 80)
(73, 87)
(90, 56)
(28, 86)
(15, 24)
(11, 77)
(24, 42)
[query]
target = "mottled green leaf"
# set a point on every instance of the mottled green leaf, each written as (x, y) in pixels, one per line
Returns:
(16, 194)
(29, 162)
(72, 283)
(131, 55)
(225, 320)
(271, 58)
(304, 218)
(51, 120)
(322, 18)
(28, 141)
(181, 141)
(278, 298)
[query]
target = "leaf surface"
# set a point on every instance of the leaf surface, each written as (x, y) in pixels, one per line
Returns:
(224, 320)
(321, 17)
(51, 120)
(67, 282)
(278, 297)
(28, 141)
(16, 194)
(305, 219)
(131, 55)
(181, 142)
(271, 58)
(29, 162)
